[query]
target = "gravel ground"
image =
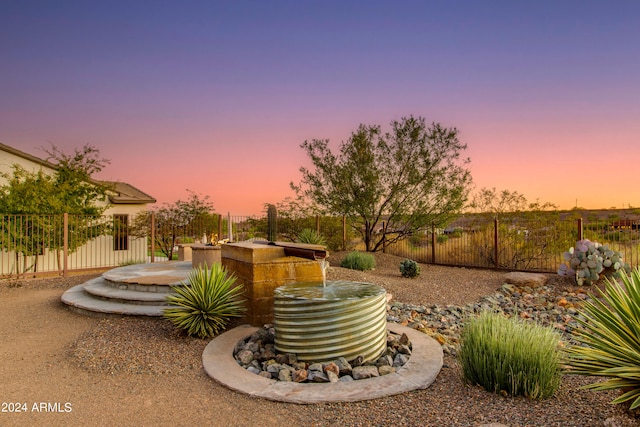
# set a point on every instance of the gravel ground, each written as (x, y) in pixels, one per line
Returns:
(124, 371)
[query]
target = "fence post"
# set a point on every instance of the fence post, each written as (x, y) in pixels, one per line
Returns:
(229, 227)
(153, 236)
(495, 243)
(433, 243)
(219, 226)
(65, 244)
(384, 237)
(580, 232)
(344, 232)
(272, 223)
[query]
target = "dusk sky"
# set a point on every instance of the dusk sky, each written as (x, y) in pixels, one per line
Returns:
(217, 96)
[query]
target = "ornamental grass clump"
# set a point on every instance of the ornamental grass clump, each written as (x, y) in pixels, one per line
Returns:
(610, 339)
(358, 261)
(510, 356)
(204, 306)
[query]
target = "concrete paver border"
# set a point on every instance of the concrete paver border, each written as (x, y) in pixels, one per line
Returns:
(418, 373)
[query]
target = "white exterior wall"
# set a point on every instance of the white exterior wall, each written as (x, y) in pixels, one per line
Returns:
(96, 253)
(131, 210)
(7, 160)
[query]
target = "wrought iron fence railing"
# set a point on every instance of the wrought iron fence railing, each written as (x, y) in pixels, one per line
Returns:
(516, 244)
(45, 244)
(57, 244)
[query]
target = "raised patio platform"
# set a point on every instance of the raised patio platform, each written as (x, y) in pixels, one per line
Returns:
(134, 290)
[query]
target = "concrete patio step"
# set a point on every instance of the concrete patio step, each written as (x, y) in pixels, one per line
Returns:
(134, 290)
(104, 290)
(171, 273)
(79, 300)
(136, 287)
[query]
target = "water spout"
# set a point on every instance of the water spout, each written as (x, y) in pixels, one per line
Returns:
(302, 250)
(324, 266)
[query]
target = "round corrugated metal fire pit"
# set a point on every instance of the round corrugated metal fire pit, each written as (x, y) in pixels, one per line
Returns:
(322, 323)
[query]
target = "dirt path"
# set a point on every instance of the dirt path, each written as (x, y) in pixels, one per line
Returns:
(35, 369)
(68, 369)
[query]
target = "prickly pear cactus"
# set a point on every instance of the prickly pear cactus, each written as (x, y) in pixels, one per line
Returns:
(589, 261)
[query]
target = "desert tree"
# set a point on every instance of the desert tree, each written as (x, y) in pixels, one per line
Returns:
(77, 191)
(410, 178)
(32, 203)
(193, 216)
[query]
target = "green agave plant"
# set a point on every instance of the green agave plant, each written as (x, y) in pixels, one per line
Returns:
(308, 235)
(204, 306)
(611, 339)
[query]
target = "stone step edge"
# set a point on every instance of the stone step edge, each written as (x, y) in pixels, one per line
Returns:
(137, 287)
(77, 298)
(99, 289)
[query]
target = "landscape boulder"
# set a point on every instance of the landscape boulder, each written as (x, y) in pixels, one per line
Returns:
(520, 278)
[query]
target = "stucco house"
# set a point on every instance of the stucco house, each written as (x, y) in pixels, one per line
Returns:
(124, 202)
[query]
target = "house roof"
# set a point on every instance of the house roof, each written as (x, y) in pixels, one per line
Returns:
(119, 192)
(27, 156)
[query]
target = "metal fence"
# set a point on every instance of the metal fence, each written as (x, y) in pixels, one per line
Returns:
(518, 244)
(46, 244)
(57, 244)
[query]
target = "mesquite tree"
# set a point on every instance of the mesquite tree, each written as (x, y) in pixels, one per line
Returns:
(408, 178)
(175, 220)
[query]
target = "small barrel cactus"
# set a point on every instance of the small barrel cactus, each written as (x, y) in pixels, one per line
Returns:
(409, 268)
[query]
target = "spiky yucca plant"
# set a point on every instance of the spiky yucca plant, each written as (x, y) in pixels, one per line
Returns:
(611, 339)
(203, 306)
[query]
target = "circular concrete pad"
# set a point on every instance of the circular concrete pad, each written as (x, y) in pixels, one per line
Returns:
(170, 273)
(418, 373)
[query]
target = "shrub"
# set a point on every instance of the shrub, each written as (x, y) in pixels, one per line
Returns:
(409, 268)
(131, 262)
(589, 261)
(358, 261)
(510, 356)
(615, 236)
(457, 232)
(416, 240)
(204, 306)
(308, 235)
(442, 238)
(610, 346)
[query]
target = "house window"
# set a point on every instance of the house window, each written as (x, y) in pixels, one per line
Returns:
(120, 232)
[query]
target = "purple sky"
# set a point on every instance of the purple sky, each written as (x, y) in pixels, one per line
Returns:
(217, 97)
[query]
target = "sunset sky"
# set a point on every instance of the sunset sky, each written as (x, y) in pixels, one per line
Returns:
(217, 96)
